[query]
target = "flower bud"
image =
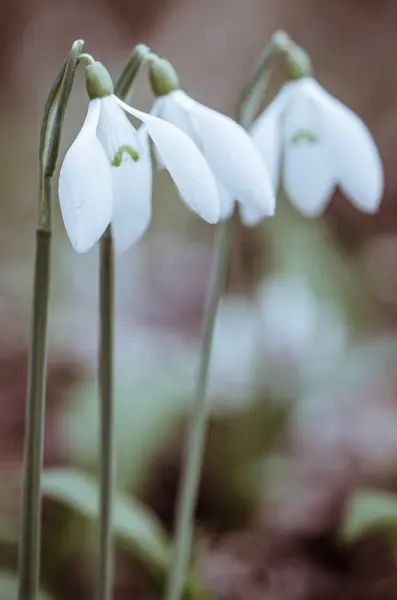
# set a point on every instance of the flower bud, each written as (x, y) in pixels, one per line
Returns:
(163, 77)
(98, 81)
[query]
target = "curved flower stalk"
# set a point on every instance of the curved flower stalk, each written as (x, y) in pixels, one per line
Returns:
(30, 550)
(318, 143)
(106, 176)
(235, 162)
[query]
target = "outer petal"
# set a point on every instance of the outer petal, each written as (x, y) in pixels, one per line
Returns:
(226, 203)
(250, 216)
(353, 153)
(233, 157)
(156, 111)
(165, 108)
(170, 110)
(85, 185)
(132, 190)
(185, 163)
(308, 179)
(266, 134)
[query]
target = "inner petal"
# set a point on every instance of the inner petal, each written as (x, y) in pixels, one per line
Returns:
(116, 133)
(302, 121)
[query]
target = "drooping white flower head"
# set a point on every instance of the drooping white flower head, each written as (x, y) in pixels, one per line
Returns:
(318, 143)
(239, 169)
(101, 182)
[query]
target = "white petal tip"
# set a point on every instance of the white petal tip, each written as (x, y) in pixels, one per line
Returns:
(370, 207)
(309, 212)
(82, 247)
(211, 217)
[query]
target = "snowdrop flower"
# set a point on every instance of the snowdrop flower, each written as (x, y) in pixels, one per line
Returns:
(319, 143)
(236, 163)
(106, 175)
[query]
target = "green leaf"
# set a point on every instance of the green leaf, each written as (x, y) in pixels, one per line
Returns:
(135, 527)
(147, 414)
(369, 510)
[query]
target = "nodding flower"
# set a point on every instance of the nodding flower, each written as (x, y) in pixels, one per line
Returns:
(236, 163)
(313, 143)
(106, 176)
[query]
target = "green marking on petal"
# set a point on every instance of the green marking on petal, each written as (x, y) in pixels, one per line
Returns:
(305, 135)
(118, 157)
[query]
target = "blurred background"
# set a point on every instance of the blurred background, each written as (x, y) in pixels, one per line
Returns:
(303, 382)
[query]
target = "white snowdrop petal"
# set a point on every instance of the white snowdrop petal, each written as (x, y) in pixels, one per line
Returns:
(185, 163)
(307, 178)
(165, 108)
(266, 134)
(231, 154)
(114, 128)
(132, 192)
(226, 203)
(307, 175)
(353, 154)
(168, 108)
(157, 111)
(85, 186)
(250, 216)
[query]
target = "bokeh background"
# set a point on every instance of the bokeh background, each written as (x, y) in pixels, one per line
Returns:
(303, 382)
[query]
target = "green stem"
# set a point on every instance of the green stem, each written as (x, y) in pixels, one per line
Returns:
(29, 553)
(106, 360)
(259, 78)
(29, 567)
(107, 449)
(196, 436)
(138, 57)
(197, 431)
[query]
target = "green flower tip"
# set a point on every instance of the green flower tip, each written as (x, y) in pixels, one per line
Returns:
(118, 157)
(298, 63)
(98, 81)
(142, 50)
(163, 77)
(281, 40)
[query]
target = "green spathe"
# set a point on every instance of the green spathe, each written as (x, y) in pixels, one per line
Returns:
(163, 77)
(98, 81)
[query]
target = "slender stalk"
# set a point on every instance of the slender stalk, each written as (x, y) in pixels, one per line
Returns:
(259, 78)
(29, 554)
(107, 437)
(197, 430)
(29, 566)
(107, 451)
(138, 56)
